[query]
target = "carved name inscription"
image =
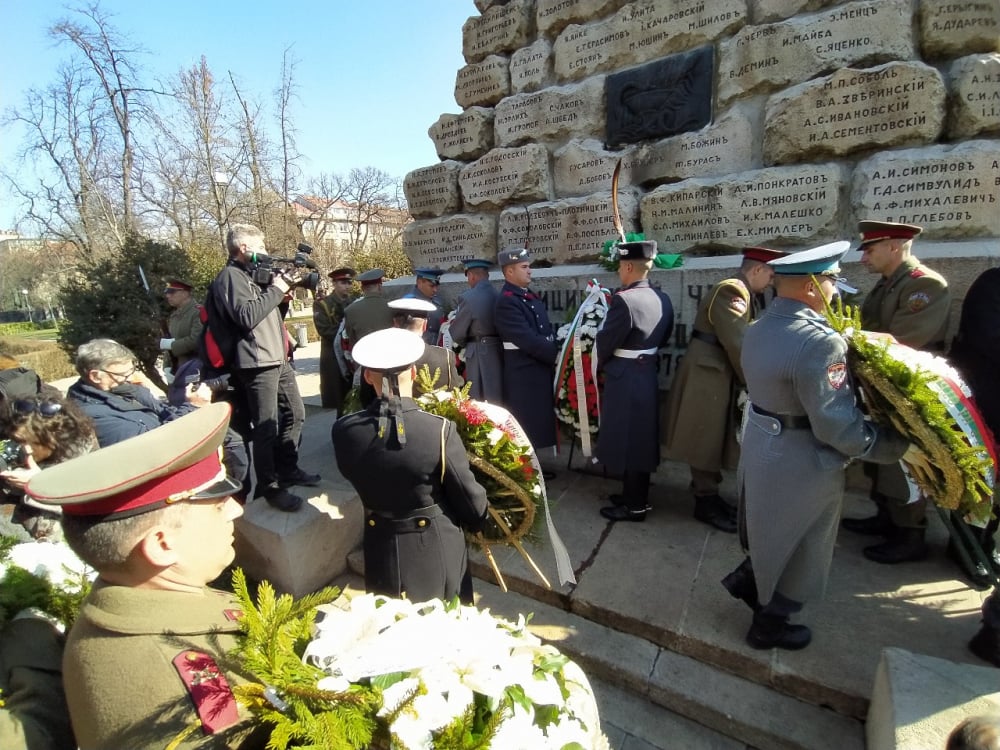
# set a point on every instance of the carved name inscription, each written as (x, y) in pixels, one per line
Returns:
(949, 191)
(465, 136)
(483, 83)
(975, 88)
(507, 174)
(556, 112)
(444, 243)
(769, 57)
(853, 110)
(433, 191)
(531, 67)
(781, 205)
(949, 28)
(501, 28)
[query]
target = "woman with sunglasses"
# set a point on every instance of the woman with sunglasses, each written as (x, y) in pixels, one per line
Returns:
(39, 431)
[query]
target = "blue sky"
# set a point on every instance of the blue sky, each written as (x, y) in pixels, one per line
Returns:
(372, 76)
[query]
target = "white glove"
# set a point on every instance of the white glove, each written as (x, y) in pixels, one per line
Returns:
(165, 344)
(168, 375)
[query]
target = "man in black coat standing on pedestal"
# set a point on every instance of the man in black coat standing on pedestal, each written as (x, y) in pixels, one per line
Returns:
(412, 473)
(639, 322)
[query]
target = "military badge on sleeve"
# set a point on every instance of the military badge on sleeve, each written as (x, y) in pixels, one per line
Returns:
(917, 301)
(837, 374)
(738, 305)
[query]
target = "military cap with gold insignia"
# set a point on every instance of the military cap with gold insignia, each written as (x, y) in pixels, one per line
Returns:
(342, 274)
(822, 260)
(875, 231)
(176, 284)
(513, 255)
(179, 461)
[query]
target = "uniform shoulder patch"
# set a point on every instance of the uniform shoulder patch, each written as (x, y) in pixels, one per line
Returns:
(917, 301)
(209, 690)
(836, 374)
(738, 305)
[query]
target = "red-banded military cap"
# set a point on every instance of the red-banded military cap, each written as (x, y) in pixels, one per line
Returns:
(874, 231)
(342, 274)
(763, 254)
(182, 460)
(178, 284)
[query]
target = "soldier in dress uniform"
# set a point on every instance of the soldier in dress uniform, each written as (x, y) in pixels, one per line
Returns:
(802, 428)
(412, 473)
(411, 315)
(370, 312)
(911, 302)
(530, 351)
(184, 323)
(328, 313)
(474, 327)
(425, 287)
(145, 663)
(639, 322)
(702, 409)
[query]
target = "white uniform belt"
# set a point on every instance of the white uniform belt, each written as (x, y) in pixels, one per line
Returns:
(633, 353)
(509, 345)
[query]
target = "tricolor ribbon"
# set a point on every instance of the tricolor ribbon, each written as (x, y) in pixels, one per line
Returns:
(571, 355)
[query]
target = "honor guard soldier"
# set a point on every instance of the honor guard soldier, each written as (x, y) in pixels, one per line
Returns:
(911, 302)
(411, 314)
(703, 413)
(529, 350)
(370, 312)
(639, 322)
(412, 473)
(184, 323)
(426, 288)
(328, 314)
(474, 327)
(803, 426)
(146, 660)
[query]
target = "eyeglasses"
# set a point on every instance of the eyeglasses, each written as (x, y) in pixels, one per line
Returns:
(25, 407)
(121, 376)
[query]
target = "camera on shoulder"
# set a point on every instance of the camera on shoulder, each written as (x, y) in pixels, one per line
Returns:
(297, 271)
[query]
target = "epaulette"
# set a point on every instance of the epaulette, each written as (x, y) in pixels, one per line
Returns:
(820, 324)
(508, 293)
(209, 690)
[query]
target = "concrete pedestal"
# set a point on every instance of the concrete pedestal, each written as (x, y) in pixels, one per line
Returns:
(303, 551)
(917, 700)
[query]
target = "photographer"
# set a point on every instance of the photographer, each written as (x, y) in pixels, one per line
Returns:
(244, 299)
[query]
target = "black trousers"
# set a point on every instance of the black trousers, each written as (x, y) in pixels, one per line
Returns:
(635, 489)
(276, 416)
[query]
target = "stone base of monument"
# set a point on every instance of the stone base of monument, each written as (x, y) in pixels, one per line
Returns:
(303, 551)
(917, 700)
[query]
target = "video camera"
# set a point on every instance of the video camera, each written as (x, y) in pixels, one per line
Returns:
(293, 270)
(12, 455)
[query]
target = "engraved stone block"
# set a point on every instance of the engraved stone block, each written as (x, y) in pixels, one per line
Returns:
(641, 31)
(853, 110)
(974, 101)
(949, 28)
(766, 11)
(483, 83)
(552, 16)
(433, 191)
(507, 174)
(531, 67)
(662, 98)
(555, 113)
(568, 230)
(444, 243)
(724, 147)
(466, 136)
(772, 56)
(585, 166)
(780, 205)
(951, 191)
(501, 28)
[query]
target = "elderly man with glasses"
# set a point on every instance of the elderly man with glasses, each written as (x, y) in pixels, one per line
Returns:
(111, 393)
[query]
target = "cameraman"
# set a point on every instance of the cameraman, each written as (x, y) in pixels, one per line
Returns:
(246, 297)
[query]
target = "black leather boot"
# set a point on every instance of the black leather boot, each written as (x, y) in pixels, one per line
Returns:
(774, 631)
(714, 511)
(905, 545)
(878, 525)
(742, 585)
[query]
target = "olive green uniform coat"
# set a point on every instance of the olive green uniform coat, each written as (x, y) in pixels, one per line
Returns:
(185, 328)
(702, 416)
(328, 312)
(366, 315)
(122, 686)
(34, 715)
(912, 304)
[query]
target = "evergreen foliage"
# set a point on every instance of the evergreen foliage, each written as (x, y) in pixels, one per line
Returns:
(21, 589)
